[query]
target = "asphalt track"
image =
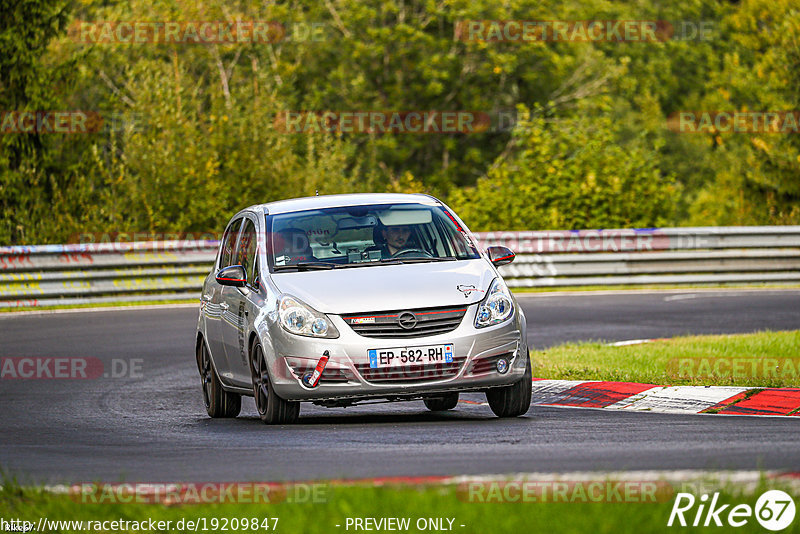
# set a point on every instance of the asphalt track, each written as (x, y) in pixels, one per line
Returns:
(154, 428)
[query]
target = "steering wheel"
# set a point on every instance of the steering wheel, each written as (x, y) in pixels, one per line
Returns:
(409, 250)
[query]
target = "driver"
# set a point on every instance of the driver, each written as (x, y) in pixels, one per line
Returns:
(396, 238)
(393, 240)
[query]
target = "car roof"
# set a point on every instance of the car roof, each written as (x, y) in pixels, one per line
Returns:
(334, 201)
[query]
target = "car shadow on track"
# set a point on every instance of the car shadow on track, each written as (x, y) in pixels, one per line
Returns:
(364, 418)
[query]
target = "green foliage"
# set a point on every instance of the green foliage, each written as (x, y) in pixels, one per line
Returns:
(757, 178)
(570, 174)
(185, 167)
(32, 175)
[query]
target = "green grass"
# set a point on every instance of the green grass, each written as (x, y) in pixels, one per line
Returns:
(408, 501)
(694, 360)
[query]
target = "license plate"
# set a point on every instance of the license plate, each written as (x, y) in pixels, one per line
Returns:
(404, 356)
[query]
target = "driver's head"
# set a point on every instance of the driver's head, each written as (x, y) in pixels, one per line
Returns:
(396, 236)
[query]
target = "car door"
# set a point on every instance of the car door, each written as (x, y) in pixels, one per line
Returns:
(234, 331)
(216, 308)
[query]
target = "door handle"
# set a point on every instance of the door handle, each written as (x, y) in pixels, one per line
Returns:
(224, 306)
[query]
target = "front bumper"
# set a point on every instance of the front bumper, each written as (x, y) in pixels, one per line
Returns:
(347, 375)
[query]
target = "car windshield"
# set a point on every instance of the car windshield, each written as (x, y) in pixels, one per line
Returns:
(357, 236)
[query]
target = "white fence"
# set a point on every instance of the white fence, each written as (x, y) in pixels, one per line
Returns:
(174, 270)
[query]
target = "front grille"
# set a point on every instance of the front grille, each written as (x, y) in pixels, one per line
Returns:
(429, 322)
(436, 371)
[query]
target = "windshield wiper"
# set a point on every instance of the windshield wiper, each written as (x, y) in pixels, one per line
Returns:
(306, 266)
(321, 266)
(369, 263)
(424, 260)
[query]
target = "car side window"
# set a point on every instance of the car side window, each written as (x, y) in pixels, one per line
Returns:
(246, 251)
(228, 243)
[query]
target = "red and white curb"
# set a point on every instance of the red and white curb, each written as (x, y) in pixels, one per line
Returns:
(635, 397)
(631, 396)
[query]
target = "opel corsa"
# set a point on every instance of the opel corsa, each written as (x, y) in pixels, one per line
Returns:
(342, 299)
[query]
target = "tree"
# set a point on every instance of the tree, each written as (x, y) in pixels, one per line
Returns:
(571, 174)
(29, 74)
(756, 176)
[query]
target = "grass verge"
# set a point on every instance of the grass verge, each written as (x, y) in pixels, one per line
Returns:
(763, 359)
(516, 514)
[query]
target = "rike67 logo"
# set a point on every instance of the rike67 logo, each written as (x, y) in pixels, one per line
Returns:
(774, 510)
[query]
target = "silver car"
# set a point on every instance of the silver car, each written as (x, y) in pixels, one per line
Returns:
(342, 299)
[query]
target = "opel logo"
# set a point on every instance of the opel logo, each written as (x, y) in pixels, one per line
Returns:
(407, 320)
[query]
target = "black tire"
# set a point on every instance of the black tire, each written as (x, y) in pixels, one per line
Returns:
(447, 401)
(513, 400)
(272, 409)
(218, 402)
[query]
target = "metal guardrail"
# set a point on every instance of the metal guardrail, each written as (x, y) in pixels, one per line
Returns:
(50, 275)
(35, 276)
(705, 255)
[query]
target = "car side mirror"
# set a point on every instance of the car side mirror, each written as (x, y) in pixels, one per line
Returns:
(500, 255)
(233, 275)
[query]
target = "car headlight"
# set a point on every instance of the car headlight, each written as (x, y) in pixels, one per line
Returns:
(303, 320)
(497, 307)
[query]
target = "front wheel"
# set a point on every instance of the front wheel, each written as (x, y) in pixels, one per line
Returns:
(513, 400)
(443, 403)
(219, 403)
(272, 409)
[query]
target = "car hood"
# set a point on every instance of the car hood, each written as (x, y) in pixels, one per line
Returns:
(389, 287)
